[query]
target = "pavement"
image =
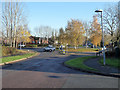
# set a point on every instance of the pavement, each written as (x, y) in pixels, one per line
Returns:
(35, 79)
(105, 70)
(47, 71)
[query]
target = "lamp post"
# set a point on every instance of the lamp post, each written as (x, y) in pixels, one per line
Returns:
(102, 35)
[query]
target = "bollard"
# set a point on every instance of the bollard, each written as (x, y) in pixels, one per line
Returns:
(63, 51)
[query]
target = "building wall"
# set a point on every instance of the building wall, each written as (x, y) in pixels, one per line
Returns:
(42, 40)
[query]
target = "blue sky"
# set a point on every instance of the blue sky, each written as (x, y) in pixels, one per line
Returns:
(56, 14)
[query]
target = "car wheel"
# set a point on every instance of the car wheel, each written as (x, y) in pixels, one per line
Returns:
(50, 50)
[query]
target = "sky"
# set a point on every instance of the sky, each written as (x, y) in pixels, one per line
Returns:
(57, 14)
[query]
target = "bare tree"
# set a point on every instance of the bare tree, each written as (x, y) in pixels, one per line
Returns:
(87, 31)
(44, 31)
(110, 18)
(6, 21)
(12, 18)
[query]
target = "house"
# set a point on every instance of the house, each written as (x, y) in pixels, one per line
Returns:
(38, 40)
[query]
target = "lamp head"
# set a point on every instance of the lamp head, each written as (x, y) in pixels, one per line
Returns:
(98, 10)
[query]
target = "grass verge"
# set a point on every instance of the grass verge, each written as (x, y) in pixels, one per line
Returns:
(83, 50)
(114, 62)
(13, 58)
(79, 63)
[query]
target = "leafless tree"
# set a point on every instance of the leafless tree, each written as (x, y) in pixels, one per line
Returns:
(12, 18)
(110, 19)
(44, 31)
(87, 31)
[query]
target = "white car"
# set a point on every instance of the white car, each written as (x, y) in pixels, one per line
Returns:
(49, 48)
(22, 45)
(104, 48)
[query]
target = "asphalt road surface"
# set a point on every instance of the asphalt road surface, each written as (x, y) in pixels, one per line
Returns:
(47, 71)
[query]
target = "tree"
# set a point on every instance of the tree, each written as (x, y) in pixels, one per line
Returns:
(110, 19)
(61, 36)
(87, 31)
(96, 32)
(107, 39)
(118, 27)
(75, 32)
(12, 18)
(44, 31)
(23, 35)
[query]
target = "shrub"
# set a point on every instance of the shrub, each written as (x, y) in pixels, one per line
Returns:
(8, 51)
(31, 45)
(113, 53)
(6, 44)
(110, 53)
(80, 45)
(42, 45)
(117, 52)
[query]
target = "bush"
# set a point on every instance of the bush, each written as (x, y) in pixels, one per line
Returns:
(117, 52)
(6, 44)
(80, 45)
(31, 45)
(110, 53)
(8, 51)
(42, 45)
(113, 53)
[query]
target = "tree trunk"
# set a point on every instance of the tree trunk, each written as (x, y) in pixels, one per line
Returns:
(11, 27)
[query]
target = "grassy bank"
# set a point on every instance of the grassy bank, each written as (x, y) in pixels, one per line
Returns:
(114, 62)
(79, 63)
(82, 50)
(13, 58)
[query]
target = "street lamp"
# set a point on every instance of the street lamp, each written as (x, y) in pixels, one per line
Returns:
(102, 35)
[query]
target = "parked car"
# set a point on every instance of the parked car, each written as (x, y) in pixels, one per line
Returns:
(104, 48)
(49, 48)
(21, 45)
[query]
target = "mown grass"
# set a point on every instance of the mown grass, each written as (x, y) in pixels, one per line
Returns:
(114, 62)
(82, 50)
(79, 63)
(13, 58)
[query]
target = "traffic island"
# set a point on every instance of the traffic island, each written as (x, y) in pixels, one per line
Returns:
(86, 64)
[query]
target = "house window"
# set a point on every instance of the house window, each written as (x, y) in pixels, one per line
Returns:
(38, 41)
(33, 41)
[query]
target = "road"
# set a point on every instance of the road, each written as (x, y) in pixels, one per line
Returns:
(47, 71)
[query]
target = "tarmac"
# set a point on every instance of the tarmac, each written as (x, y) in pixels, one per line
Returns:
(47, 71)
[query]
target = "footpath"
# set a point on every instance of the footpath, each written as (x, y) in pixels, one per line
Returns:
(103, 70)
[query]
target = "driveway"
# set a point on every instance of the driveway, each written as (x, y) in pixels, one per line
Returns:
(47, 71)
